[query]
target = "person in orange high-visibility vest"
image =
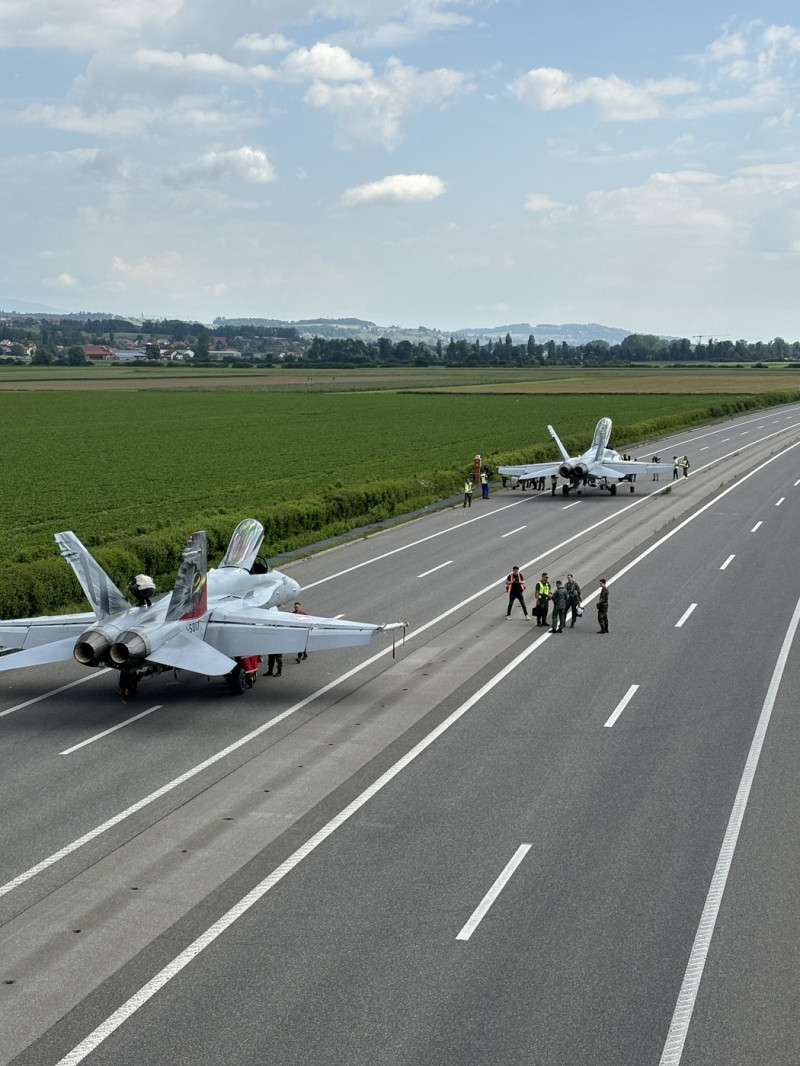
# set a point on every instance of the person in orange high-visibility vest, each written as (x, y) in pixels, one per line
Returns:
(515, 587)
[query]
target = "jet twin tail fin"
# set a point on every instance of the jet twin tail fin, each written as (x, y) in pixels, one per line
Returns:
(99, 589)
(564, 453)
(190, 595)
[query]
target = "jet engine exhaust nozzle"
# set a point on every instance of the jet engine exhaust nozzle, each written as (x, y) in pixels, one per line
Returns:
(581, 470)
(565, 470)
(92, 648)
(131, 647)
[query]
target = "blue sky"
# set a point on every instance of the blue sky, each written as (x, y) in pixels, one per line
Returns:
(444, 163)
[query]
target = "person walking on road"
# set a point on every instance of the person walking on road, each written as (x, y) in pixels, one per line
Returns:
(685, 465)
(515, 587)
(655, 459)
(468, 493)
(559, 598)
(274, 666)
(553, 484)
(573, 591)
(602, 607)
(542, 600)
(484, 485)
(299, 610)
(676, 463)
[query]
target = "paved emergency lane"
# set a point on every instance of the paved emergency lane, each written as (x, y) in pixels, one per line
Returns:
(582, 955)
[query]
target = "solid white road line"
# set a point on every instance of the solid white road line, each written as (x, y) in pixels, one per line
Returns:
(113, 729)
(755, 527)
(512, 532)
(501, 882)
(53, 692)
(780, 501)
(685, 615)
(623, 703)
(727, 562)
(138, 999)
(441, 566)
(684, 1007)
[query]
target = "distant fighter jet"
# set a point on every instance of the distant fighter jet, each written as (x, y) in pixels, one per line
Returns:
(210, 621)
(600, 466)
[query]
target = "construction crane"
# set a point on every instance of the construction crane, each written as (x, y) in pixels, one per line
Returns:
(700, 337)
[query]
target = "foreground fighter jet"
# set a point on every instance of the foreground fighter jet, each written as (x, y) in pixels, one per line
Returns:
(210, 621)
(600, 466)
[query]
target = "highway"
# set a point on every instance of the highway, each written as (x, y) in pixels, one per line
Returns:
(488, 844)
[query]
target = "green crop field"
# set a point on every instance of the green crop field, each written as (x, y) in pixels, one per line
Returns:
(133, 472)
(109, 464)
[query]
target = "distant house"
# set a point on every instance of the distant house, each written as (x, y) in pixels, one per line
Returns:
(97, 353)
(178, 354)
(129, 355)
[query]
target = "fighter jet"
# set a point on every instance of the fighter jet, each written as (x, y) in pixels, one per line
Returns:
(212, 620)
(600, 466)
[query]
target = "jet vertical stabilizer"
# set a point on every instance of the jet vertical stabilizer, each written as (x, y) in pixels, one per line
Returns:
(99, 589)
(190, 595)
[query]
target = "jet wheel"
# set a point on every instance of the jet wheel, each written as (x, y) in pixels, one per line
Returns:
(565, 490)
(612, 489)
(238, 681)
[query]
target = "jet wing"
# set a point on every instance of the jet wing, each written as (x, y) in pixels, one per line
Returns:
(33, 632)
(57, 651)
(256, 631)
(532, 470)
(623, 467)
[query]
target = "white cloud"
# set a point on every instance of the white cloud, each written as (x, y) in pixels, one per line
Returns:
(395, 189)
(540, 203)
(80, 25)
(273, 42)
(326, 62)
(371, 111)
(550, 89)
(245, 164)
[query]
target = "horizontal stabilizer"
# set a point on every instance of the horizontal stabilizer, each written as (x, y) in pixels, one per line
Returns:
(59, 651)
(187, 652)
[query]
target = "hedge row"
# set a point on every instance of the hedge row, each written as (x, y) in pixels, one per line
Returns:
(48, 586)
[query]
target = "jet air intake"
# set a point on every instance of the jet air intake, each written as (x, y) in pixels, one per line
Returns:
(132, 647)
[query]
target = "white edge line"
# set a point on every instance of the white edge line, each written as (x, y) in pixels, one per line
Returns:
(623, 703)
(727, 562)
(113, 729)
(441, 566)
(685, 615)
(147, 991)
(684, 1007)
(480, 911)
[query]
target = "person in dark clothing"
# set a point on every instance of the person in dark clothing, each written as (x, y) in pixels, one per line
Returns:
(602, 607)
(573, 591)
(515, 587)
(301, 654)
(274, 664)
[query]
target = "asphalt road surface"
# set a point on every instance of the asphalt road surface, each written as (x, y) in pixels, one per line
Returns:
(489, 844)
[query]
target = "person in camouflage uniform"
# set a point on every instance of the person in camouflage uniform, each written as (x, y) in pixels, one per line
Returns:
(573, 591)
(559, 598)
(602, 607)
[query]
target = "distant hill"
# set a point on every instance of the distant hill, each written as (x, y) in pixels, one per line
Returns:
(572, 332)
(10, 306)
(362, 329)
